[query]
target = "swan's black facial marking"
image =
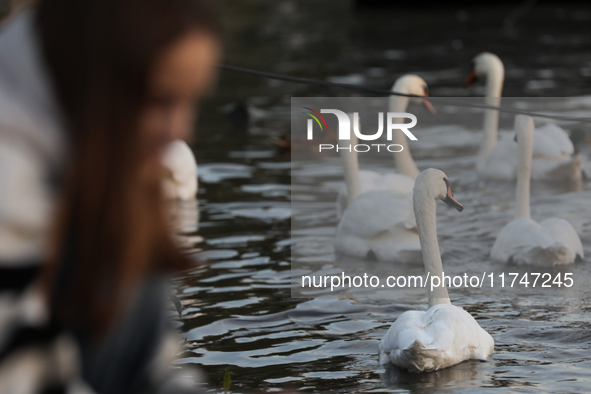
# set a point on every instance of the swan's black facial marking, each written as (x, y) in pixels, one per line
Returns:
(450, 199)
(425, 91)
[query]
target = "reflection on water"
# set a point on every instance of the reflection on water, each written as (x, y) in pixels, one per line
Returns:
(468, 374)
(237, 311)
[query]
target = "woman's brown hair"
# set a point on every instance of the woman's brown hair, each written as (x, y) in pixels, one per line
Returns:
(111, 229)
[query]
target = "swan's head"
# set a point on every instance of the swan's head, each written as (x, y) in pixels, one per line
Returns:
(434, 184)
(524, 129)
(484, 65)
(415, 85)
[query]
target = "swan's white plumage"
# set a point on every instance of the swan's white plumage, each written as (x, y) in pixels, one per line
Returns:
(371, 180)
(562, 231)
(381, 222)
(553, 241)
(443, 336)
(552, 148)
(550, 140)
(180, 178)
(502, 163)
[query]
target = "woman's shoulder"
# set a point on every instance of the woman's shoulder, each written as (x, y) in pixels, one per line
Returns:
(28, 108)
(25, 206)
(31, 141)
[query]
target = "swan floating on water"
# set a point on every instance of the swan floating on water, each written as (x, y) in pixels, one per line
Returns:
(445, 334)
(552, 148)
(378, 222)
(553, 241)
(180, 176)
(404, 180)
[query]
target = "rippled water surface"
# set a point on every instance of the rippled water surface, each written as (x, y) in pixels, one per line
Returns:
(238, 314)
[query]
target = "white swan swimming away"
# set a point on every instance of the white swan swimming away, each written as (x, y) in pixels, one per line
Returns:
(553, 241)
(378, 222)
(552, 150)
(403, 181)
(180, 166)
(445, 334)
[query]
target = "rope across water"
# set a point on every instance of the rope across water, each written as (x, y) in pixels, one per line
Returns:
(384, 92)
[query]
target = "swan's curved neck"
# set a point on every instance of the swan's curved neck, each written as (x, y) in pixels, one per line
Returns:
(494, 90)
(494, 81)
(351, 167)
(490, 127)
(525, 146)
(425, 211)
(404, 161)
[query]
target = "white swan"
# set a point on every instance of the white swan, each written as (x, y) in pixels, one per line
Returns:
(553, 241)
(404, 180)
(379, 222)
(359, 181)
(552, 150)
(445, 334)
(180, 166)
(407, 84)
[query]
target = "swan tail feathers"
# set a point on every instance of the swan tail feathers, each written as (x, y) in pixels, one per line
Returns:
(417, 357)
(552, 255)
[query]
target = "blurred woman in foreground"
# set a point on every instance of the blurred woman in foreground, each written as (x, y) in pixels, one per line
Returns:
(90, 93)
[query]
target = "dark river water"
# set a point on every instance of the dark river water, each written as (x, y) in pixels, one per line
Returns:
(238, 315)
